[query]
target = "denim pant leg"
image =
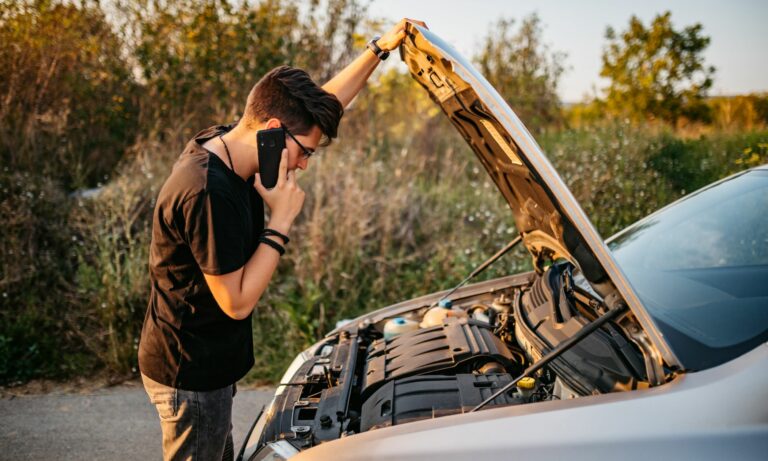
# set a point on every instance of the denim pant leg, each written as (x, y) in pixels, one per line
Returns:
(196, 425)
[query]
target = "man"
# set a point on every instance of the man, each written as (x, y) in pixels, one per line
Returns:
(211, 257)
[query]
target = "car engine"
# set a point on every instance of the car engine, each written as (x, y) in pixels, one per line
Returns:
(432, 361)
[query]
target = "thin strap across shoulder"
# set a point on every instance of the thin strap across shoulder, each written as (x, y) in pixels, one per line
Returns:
(232, 165)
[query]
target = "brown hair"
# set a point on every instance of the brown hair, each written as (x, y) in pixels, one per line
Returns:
(289, 94)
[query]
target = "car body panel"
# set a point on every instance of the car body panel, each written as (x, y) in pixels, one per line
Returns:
(550, 220)
(712, 414)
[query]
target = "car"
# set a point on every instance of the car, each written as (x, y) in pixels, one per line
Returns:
(652, 344)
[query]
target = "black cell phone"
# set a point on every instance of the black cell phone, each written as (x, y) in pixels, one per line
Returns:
(271, 144)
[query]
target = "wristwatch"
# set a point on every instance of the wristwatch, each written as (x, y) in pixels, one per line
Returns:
(381, 54)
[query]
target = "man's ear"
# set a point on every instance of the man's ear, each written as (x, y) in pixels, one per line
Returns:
(272, 123)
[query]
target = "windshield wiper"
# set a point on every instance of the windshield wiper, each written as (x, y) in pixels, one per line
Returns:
(481, 268)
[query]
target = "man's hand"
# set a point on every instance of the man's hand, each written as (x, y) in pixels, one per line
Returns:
(395, 36)
(285, 199)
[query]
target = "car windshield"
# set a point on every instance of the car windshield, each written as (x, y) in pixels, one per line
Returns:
(700, 267)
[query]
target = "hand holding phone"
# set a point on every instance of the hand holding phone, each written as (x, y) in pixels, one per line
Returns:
(285, 199)
(271, 144)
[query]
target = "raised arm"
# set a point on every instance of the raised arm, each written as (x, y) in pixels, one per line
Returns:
(347, 83)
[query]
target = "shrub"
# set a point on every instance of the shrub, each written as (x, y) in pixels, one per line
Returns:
(35, 263)
(111, 281)
(69, 99)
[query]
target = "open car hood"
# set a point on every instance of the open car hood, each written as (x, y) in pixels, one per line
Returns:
(550, 221)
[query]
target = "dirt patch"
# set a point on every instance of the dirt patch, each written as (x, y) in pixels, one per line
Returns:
(79, 385)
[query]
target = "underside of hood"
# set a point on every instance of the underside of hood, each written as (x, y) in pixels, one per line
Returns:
(548, 217)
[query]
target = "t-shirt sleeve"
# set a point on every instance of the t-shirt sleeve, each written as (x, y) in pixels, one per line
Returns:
(213, 233)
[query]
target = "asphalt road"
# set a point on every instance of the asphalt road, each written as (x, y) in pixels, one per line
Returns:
(116, 423)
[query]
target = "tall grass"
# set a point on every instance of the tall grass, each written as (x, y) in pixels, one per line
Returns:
(111, 279)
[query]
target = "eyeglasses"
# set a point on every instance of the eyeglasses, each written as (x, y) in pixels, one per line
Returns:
(306, 153)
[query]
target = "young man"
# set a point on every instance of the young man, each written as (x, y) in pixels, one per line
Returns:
(211, 257)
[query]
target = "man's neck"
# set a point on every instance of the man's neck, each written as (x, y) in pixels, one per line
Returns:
(241, 143)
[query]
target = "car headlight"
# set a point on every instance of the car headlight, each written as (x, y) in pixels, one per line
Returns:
(251, 444)
(275, 451)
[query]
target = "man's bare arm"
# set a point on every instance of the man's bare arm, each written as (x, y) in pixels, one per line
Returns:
(238, 292)
(347, 83)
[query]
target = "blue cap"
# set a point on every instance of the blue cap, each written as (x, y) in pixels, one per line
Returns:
(399, 320)
(446, 303)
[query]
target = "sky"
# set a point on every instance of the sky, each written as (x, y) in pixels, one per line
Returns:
(738, 29)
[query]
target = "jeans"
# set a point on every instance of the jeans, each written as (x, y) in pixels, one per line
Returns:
(196, 425)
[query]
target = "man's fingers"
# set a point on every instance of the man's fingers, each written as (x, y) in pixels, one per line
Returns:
(415, 21)
(281, 172)
(257, 184)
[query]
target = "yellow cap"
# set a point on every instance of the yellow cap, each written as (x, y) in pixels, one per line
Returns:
(526, 383)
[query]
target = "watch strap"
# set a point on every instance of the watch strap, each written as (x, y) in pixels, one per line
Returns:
(376, 49)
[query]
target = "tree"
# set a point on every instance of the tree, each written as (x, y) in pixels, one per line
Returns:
(520, 66)
(200, 59)
(67, 98)
(657, 72)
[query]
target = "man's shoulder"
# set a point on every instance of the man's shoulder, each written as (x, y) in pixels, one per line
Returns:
(196, 171)
(188, 178)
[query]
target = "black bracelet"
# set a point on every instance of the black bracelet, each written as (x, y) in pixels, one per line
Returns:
(273, 244)
(271, 232)
(376, 49)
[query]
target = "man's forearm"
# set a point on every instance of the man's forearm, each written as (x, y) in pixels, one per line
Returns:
(257, 273)
(347, 83)
(238, 292)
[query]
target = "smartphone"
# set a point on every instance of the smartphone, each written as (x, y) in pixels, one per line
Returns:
(271, 144)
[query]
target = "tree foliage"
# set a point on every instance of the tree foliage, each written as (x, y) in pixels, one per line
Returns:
(199, 60)
(657, 71)
(522, 68)
(67, 97)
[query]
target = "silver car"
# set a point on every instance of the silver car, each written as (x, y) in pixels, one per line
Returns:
(651, 345)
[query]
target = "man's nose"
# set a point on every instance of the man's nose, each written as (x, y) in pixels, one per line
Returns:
(303, 162)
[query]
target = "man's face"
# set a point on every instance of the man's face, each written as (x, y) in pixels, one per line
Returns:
(296, 156)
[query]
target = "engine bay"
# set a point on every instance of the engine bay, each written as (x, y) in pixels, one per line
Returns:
(437, 360)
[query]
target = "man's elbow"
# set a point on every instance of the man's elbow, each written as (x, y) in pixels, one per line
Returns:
(236, 312)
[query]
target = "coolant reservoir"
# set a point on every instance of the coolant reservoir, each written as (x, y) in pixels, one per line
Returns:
(436, 315)
(398, 326)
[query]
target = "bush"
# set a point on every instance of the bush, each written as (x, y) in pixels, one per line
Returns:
(35, 263)
(111, 281)
(621, 172)
(69, 98)
(606, 167)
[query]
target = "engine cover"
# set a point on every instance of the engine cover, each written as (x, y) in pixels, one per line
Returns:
(421, 397)
(457, 342)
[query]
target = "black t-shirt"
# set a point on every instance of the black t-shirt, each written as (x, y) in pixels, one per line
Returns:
(206, 220)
